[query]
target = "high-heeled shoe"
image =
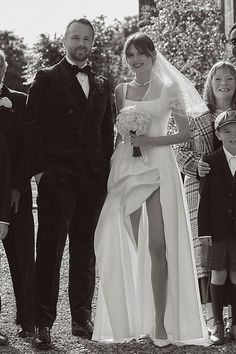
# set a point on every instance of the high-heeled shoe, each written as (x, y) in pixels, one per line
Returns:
(161, 342)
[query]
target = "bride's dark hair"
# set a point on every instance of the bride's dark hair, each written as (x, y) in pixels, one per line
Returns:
(142, 42)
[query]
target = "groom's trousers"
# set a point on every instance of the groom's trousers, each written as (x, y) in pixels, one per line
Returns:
(66, 209)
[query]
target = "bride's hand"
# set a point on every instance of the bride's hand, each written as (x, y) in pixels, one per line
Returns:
(139, 140)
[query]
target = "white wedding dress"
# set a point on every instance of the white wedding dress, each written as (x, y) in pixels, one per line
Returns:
(125, 307)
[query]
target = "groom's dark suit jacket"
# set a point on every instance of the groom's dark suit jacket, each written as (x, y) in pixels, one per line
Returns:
(69, 136)
(4, 180)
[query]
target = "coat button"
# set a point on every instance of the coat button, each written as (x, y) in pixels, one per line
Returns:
(230, 211)
(70, 110)
(79, 132)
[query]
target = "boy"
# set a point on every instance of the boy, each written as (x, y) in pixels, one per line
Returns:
(217, 221)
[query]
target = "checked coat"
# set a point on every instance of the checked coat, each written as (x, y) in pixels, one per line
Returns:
(201, 142)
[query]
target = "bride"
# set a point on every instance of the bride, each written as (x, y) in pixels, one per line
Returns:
(143, 244)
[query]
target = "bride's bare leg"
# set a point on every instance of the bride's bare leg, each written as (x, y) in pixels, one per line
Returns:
(135, 219)
(157, 249)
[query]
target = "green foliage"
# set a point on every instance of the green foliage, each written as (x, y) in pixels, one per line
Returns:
(106, 57)
(107, 48)
(190, 35)
(45, 52)
(15, 51)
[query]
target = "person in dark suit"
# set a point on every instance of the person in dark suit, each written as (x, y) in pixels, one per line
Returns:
(4, 187)
(217, 221)
(70, 142)
(5, 192)
(19, 244)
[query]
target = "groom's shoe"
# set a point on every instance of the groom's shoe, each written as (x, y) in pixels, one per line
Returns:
(3, 340)
(42, 338)
(83, 330)
(24, 331)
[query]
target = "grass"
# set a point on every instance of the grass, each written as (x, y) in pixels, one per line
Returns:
(63, 341)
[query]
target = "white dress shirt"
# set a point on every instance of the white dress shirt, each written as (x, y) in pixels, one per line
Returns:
(82, 78)
(231, 159)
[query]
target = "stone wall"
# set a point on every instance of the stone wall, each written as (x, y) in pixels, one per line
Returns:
(228, 9)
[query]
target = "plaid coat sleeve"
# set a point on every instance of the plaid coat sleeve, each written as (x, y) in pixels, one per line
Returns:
(200, 143)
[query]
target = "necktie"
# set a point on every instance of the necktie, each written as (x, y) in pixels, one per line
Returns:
(86, 69)
(233, 164)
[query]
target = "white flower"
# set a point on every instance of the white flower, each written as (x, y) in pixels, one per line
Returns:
(5, 102)
(133, 119)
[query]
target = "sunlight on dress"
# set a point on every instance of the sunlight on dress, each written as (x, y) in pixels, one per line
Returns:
(125, 306)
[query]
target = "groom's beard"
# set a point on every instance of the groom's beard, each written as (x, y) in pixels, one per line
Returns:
(80, 54)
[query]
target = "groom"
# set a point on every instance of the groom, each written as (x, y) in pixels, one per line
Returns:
(70, 142)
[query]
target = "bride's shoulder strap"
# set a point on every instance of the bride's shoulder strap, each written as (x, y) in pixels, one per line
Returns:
(125, 85)
(120, 95)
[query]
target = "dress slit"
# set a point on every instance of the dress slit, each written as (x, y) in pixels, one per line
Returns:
(125, 305)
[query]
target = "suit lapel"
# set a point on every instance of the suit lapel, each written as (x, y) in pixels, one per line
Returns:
(70, 81)
(8, 116)
(92, 88)
(224, 166)
(5, 92)
(96, 95)
(86, 106)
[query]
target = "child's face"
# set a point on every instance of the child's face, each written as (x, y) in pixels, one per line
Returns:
(223, 84)
(227, 134)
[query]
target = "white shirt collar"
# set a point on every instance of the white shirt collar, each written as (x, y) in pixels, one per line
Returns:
(82, 78)
(72, 63)
(228, 154)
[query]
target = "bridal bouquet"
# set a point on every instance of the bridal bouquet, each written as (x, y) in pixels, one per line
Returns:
(132, 119)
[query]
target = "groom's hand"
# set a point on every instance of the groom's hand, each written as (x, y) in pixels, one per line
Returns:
(3, 230)
(205, 240)
(15, 199)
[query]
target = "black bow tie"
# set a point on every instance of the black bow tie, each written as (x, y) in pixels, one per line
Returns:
(86, 69)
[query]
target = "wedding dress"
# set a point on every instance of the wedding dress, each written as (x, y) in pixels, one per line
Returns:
(125, 306)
